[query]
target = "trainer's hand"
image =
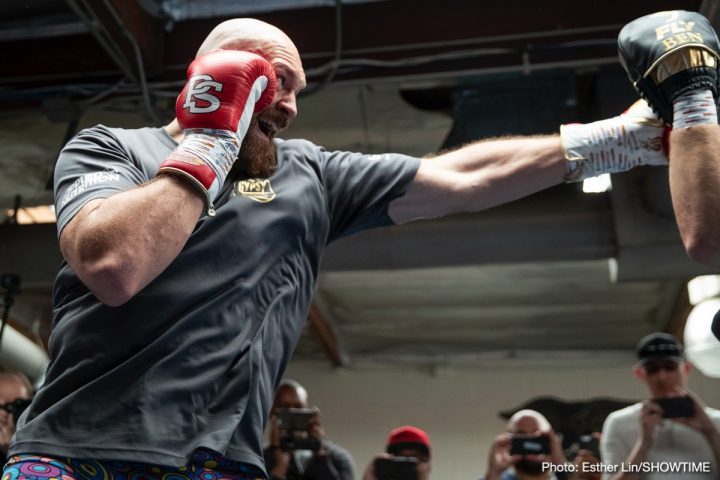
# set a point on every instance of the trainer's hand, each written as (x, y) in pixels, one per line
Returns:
(667, 54)
(224, 89)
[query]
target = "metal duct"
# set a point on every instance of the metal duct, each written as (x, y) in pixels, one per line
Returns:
(19, 354)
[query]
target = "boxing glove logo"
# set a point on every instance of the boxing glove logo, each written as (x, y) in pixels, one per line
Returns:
(198, 88)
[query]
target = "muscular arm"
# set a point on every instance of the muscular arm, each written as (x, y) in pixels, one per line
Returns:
(481, 175)
(695, 189)
(119, 244)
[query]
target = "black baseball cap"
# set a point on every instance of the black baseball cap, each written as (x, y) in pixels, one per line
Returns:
(659, 346)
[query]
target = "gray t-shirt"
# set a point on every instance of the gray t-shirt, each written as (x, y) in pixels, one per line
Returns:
(194, 358)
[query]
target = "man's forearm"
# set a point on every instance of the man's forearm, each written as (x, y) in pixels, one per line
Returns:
(503, 170)
(481, 175)
(695, 189)
(128, 239)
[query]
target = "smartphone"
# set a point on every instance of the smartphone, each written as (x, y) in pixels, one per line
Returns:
(294, 419)
(676, 407)
(530, 445)
(294, 424)
(591, 444)
(396, 468)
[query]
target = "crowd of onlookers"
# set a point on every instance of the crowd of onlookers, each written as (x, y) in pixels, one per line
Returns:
(671, 435)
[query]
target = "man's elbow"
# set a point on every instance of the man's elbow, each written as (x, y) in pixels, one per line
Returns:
(703, 247)
(109, 280)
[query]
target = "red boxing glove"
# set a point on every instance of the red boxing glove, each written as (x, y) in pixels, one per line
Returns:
(224, 89)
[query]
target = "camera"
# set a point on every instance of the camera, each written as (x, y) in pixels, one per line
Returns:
(294, 424)
(676, 407)
(396, 468)
(589, 443)
(530, 445)
(294, 419)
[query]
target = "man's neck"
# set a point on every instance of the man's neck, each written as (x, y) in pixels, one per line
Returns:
(173, 129)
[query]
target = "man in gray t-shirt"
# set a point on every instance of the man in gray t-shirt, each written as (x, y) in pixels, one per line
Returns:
(190, 265)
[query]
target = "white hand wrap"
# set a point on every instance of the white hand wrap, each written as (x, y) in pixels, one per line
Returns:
(613, 145)
(696, 107)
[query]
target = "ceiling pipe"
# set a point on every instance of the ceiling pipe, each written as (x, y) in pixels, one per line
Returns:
(20, 354)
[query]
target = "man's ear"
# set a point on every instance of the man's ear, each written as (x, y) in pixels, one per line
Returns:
(639, 372)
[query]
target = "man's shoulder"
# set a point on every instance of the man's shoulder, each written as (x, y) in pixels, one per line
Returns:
(101, 129)
(625, 413)
(126, 135)
(298, 145)
(335, 449)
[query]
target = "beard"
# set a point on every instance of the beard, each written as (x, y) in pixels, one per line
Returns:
(258, 156)
(529, 467)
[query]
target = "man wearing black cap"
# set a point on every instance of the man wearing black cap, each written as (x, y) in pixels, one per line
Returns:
(671, 430)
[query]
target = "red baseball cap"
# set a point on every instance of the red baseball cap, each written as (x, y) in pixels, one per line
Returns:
(408, 437)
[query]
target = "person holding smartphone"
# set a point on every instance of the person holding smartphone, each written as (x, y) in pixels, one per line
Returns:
(298, 448)
(672, 426)
(528, 450)
(406, 457)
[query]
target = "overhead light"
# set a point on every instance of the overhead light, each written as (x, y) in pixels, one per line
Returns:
(703, 287)
(39, 214)
(702, 348)
(598, 184)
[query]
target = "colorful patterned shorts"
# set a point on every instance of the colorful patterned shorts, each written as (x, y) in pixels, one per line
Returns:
(203, 465)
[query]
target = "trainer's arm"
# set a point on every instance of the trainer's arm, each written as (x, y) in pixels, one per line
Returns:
(481, 175)
(695, 189)
(119, 244)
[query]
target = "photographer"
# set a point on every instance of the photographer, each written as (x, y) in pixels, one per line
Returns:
(521, 452)
(298, 448)
(672, 426)
(15, 394)
(407, 457)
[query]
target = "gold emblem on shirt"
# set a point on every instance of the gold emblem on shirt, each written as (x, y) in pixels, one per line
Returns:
(258, 189)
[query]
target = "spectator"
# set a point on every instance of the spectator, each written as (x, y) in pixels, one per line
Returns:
(405, 442)
(505, 465)
(326, 460)
(639, 435)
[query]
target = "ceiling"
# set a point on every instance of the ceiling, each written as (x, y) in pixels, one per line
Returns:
(561, 274)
